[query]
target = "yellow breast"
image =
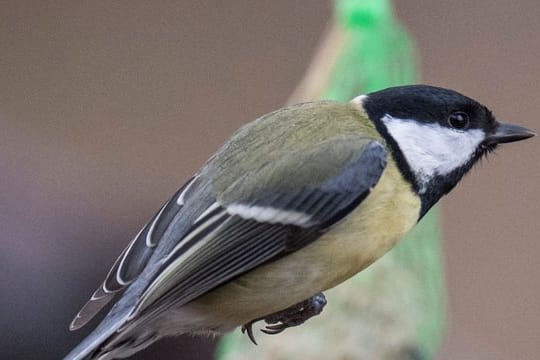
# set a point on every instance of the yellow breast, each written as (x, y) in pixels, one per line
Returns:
(389, 212)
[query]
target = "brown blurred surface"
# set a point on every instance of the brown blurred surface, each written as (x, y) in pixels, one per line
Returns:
(107, 107)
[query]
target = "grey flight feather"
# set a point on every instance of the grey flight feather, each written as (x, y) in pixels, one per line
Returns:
(131, 261)
(181, 219)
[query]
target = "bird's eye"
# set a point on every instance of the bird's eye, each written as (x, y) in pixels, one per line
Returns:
(458, 120)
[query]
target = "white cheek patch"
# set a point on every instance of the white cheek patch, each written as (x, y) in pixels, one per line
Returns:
(431, 149)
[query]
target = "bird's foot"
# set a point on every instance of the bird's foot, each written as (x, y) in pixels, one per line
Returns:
(292, 316)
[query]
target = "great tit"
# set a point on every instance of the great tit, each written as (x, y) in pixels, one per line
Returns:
(293, 204)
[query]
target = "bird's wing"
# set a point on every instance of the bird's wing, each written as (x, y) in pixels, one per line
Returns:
(134, 257)
(265, 214)
(211, 232)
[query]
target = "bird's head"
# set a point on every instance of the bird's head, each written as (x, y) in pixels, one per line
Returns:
(436, 135)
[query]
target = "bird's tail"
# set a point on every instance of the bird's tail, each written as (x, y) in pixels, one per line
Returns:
(90, 347)
(115, 337)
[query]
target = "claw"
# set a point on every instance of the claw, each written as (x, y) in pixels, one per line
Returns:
(272, 331)
(290, 317)
(275, 327)
(249, 329)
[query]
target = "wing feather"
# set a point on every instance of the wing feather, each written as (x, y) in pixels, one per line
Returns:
(133, 258)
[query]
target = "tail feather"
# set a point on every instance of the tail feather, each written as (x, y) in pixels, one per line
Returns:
(126, 348)
(96, 339)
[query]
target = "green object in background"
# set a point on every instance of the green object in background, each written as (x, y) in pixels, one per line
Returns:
(378, 52)
(395, 309)
(363, 14)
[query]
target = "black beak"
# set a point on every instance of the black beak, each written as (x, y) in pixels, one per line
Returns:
(506, 133)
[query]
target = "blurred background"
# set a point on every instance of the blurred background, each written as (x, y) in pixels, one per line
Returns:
(107, 107)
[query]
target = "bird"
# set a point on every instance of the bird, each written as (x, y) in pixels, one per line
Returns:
(293, 204)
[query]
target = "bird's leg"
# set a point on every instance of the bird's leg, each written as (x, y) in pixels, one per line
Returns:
(292, 316)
